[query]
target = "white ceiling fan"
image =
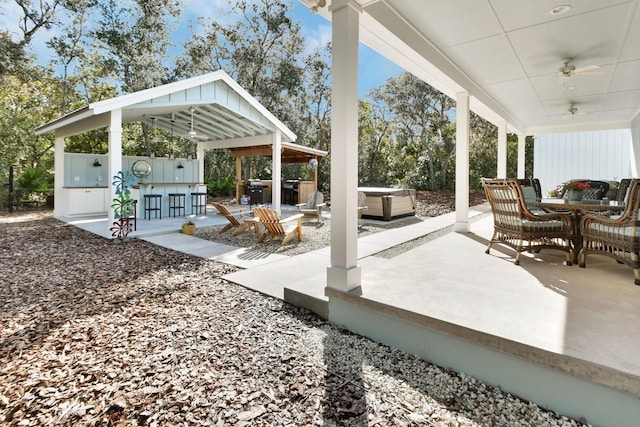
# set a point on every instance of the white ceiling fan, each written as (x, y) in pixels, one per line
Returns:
(573, 111)
(192, 132)
(567, 70)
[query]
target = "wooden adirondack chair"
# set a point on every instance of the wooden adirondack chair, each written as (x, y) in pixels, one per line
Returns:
(274, 226)
(236, 221)
(313, 206)
(362, 198)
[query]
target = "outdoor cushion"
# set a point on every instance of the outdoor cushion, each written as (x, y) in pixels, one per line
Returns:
(608, 229)
(543, 225)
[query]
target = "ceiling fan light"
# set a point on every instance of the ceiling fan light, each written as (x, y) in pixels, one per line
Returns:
(559, 10)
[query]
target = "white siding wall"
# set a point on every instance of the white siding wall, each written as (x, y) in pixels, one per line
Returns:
(600, 155)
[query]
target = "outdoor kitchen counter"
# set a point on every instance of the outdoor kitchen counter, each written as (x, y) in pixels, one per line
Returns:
(304, 189)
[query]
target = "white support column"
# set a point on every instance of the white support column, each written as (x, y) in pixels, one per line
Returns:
(521, 155)
(462, 163)
(502, 150)
(344, 273)
(200, 157)
(276, 175)
(60, 194)
(635, 146)
(115, 157)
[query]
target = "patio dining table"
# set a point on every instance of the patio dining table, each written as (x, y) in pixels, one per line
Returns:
(577, 209)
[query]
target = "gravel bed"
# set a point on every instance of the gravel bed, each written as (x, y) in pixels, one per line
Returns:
(98, 333)
(315, 235)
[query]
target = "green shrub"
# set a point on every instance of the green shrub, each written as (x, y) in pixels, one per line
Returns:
(222, 187)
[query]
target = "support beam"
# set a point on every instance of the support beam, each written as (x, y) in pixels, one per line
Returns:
(60, 195)
(462, 163)
(200, 157)
(115, 156)
(635, 146)
(239, 187)
(276, 175)
(521, 155)
(502, 150)
(344, 273)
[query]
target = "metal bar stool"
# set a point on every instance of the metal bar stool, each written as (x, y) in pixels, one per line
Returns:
(177, 202)
(198, 203)
(152, 203)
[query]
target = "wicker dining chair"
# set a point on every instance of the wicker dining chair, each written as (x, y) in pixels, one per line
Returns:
(618, 238)
(623, 189)
(531, 188)
(517, 227)
(598, 189)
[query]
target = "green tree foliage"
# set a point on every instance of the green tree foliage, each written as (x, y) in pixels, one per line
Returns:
(25, 105)
(422, 128)
(483, 152)
(406, 133)
(262, 49)
(374, 148)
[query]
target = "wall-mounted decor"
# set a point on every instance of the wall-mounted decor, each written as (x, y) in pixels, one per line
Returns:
(141, 169)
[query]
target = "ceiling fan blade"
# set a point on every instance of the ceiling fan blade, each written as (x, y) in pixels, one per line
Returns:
(587, 69)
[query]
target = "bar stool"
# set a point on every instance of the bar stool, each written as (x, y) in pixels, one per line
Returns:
(152, 203)
(198, 203)
(177, 202)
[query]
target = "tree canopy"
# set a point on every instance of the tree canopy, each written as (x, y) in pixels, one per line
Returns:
(101, 48)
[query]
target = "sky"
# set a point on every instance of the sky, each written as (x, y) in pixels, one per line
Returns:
(374, 69)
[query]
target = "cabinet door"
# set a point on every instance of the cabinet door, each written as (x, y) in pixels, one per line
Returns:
(86, 201)
(96, 201)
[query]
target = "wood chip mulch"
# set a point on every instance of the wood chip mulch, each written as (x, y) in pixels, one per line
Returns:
(102, 334)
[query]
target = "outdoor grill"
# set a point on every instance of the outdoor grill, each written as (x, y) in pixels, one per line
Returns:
(290, 191)
(258, 193)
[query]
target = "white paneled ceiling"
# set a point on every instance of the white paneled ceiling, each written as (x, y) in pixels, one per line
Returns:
(507, 54)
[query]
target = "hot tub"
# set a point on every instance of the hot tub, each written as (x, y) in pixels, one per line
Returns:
(388, 203)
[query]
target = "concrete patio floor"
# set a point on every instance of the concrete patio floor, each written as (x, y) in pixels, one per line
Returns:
(584, 322)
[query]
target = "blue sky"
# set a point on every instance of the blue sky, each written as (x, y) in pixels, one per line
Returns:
(374, 69)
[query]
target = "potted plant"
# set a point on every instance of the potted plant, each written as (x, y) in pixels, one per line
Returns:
(575, 189)
(556, 192)
(189, 227)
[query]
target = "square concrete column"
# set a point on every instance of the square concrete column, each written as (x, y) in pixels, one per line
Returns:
(115, 157)
(462, 163)
(60, 196)
(200, 158)
(276, 175)
(502, 150)
(344, 272)
(521, 155)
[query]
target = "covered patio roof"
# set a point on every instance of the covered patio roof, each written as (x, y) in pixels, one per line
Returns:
(211, 107)
(508, 56)
(529, 67)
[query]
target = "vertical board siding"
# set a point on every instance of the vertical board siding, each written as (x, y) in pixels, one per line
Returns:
(600, 155)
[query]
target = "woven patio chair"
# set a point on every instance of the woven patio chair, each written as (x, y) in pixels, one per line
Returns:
(274, 226)
(531, 188)
(623, 189)
(517, 227)
(618, 238)
(597, 191)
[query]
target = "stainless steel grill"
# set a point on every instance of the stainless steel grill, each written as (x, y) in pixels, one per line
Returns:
(258, 193)
(290, 191)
